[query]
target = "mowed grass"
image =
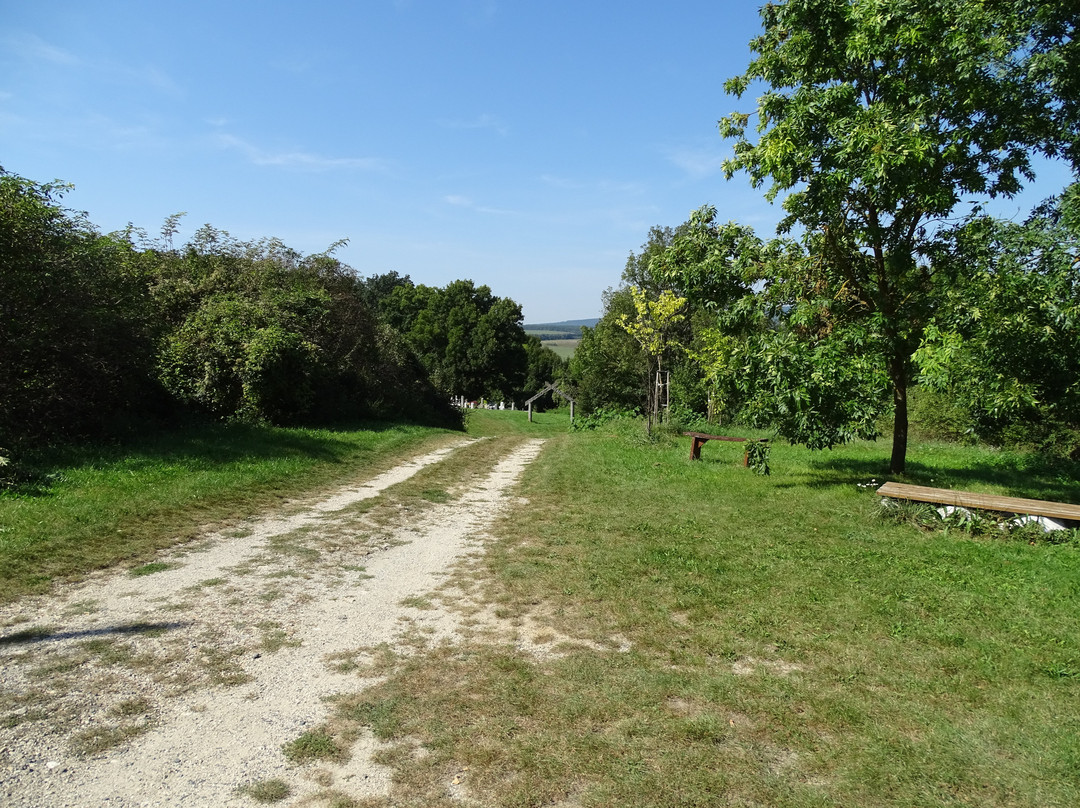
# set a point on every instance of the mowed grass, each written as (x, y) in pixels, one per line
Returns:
(102, 506)
(752, 640)
(515, 423)
(562, 347)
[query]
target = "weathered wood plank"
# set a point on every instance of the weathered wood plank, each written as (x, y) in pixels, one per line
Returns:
(989, 502)
(701, 438)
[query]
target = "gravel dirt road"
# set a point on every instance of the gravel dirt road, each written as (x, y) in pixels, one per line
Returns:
(180, 685)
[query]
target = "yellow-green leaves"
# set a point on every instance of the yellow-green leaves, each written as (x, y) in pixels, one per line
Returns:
(652, 323)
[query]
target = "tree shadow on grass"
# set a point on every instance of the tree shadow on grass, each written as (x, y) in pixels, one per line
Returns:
(197, 446)
(39, 634)
(1024, 475)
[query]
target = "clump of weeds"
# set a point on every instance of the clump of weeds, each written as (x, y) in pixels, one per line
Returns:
(266, 791)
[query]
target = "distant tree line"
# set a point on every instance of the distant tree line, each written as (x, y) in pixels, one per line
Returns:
(98, 330)
(876, 121)
(552, 331)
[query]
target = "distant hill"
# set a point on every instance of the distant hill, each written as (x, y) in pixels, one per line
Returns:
(566, 329)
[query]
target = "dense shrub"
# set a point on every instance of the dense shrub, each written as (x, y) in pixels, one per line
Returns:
(99, 328)
(76, 322)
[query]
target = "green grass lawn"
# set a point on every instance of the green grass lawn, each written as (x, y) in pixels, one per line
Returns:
(765, 641)
(716, 637)
(100, 506)
(562, 347)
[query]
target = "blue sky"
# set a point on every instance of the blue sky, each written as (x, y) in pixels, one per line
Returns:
(526, 146)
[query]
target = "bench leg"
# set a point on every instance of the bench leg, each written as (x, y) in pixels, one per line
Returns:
(695, 448)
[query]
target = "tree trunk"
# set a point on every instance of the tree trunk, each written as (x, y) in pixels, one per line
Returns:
(898, 372)
(650, 394)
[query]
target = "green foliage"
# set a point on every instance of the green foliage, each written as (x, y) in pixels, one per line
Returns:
(1003, 345)
(684, 419)
(937, 415)
(638, 270)
(97, 328)
(709, 263)
(768, 354)
(757, 457)
(370, 367)
(543, 365)
(602, 416)
(250, 322)
(653, 321)
(470, 341)
(75, 320)
(877, 119)
(819, 393)
(609, 369)
(238, 357)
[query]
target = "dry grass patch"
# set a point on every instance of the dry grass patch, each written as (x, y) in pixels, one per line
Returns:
(274, 637)
(152, 567)
(95, 740)
(266, 791)
(315, 745)
(722, 638)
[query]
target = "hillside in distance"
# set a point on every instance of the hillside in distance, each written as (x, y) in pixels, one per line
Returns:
(565, 329)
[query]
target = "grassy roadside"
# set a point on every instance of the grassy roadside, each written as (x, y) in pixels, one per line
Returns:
(101, 506)
(720, 638)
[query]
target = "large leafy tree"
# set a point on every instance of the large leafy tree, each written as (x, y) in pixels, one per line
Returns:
(1004, 347)
(653, 326)
(608, 368)
(756, 331)
(878, 118)
(543, 366)
(470, 341)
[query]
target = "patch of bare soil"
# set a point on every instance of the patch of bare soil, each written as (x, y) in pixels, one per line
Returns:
(182, 686)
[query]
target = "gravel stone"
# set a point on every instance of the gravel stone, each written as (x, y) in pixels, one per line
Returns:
(177, 687)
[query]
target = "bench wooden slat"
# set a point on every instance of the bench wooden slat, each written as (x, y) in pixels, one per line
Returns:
(990, 502)
(701, 438)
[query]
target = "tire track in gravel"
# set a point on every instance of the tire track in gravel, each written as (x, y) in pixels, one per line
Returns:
(228, 652)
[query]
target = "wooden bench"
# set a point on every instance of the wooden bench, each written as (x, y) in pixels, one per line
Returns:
(700, 439)
(989, 502)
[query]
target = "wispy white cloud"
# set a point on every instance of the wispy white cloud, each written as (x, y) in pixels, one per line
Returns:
(697, 163)
(298, 159)
(485, 121)
(152, 76)
(37, 51)
(34, 48)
